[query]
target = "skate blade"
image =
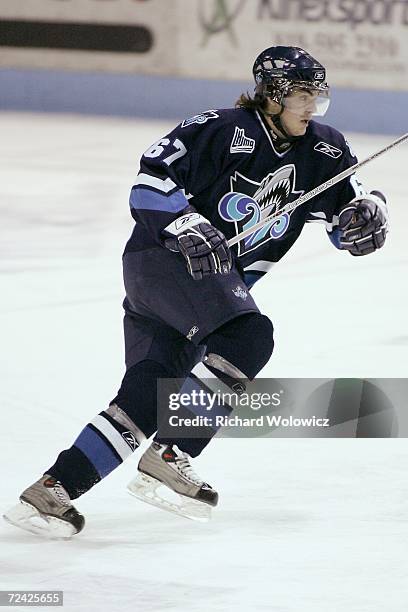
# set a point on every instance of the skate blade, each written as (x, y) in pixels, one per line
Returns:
(145, 487)
(27, 517)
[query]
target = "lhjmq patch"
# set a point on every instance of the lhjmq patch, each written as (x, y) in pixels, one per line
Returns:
(241, 143)
(328, 149)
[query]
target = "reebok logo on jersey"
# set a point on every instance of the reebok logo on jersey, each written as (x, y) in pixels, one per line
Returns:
(241, 143)
(202, 118)
(130, 439)
(328, 149)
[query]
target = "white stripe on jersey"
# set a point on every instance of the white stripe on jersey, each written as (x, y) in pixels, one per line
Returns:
(151, 181)
(260, 266)
(164, 186)
(357, 186)
(321, 218)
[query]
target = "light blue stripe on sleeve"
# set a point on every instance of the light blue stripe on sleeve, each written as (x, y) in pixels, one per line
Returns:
(146, 199)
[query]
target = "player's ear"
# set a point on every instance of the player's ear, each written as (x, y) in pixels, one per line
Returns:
(272, 106)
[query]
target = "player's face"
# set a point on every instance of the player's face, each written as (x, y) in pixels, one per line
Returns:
(300, 106)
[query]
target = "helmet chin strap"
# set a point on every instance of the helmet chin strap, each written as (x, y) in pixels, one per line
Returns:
(287, 138)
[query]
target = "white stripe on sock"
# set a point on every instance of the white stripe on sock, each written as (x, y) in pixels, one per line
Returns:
(114, 437)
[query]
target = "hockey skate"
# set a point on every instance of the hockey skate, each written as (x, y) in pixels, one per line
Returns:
(45, 509)
(163, 467)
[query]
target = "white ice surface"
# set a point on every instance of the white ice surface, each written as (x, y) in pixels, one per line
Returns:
(302, 525)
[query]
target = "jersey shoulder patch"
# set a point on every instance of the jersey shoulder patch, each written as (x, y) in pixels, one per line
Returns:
(201, 118)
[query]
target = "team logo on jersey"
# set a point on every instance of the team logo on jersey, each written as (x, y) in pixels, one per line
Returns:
(241, 143)
(202, 118)
(328, 149)
(249, 202)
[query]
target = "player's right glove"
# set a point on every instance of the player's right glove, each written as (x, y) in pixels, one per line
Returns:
(204, 247)
(363, 224)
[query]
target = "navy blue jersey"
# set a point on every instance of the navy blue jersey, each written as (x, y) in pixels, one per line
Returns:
(220, 162)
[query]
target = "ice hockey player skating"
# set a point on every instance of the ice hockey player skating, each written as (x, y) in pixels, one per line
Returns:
(187, 297)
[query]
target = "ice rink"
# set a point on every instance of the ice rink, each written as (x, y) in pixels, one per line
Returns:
(302, 525)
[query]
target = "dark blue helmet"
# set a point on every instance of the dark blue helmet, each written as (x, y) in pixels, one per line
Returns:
(279, 69)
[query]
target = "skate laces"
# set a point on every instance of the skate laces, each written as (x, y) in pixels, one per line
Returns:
(58, 491)
(183, 464)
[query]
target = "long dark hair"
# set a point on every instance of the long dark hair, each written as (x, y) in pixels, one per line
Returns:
(258, 102)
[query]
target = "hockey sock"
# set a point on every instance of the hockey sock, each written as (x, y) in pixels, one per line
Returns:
(194, 439)
(114, 434)
(137, 395)
(100, 448)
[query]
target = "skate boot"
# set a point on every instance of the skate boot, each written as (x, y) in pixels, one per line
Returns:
(182, 491)
(45, 509)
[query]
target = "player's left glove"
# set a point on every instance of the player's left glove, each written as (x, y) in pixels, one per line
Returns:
(203, 246)
(363, 224)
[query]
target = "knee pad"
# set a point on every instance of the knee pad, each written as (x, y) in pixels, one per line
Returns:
(246, 343)
(137, 396)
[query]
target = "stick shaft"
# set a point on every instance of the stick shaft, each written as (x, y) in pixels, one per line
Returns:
(316, 191)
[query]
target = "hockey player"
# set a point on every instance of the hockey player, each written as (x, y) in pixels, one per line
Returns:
(187, 297)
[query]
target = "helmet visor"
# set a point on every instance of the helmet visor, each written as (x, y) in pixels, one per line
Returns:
(304, 101)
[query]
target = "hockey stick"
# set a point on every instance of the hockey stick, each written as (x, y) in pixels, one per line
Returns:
(314, 192)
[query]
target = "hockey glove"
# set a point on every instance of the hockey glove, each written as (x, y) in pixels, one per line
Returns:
(204, 247)
(363, 224)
